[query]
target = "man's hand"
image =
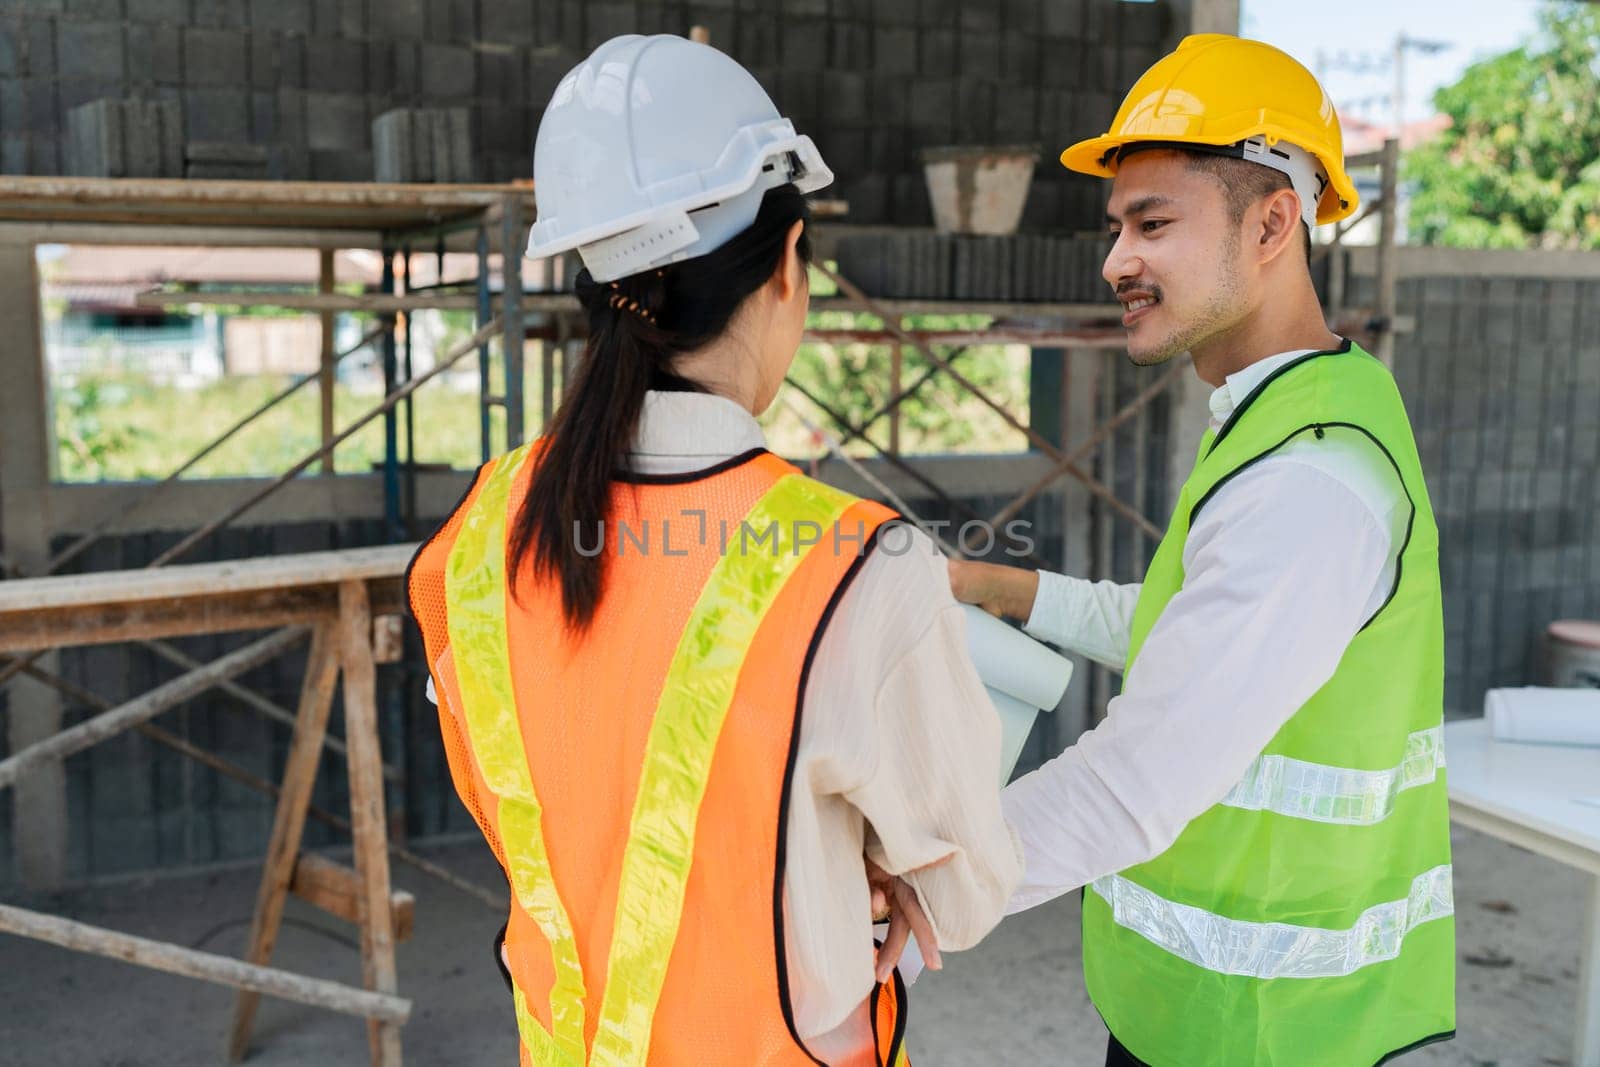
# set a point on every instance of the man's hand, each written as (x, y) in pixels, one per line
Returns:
(895, 900)
(1000, 590)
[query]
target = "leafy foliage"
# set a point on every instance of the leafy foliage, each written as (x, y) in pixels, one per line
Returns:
(1520, 165)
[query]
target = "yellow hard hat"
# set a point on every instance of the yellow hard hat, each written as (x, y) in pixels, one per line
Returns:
(1217, 90)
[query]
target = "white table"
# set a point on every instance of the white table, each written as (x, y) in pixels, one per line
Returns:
(1526, 794)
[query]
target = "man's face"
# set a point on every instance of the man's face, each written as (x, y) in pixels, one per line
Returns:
(1174, 264)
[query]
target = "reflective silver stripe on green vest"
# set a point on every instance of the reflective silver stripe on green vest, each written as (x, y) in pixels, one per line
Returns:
(1322, 793)
(1277, 950)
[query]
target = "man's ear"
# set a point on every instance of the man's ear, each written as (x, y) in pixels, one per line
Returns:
(1280, 223)
(791, 273)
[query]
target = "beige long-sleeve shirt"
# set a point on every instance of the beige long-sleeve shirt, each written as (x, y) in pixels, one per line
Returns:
(896, 756)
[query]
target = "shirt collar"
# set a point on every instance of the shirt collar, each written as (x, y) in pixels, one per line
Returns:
(695, 424)
(1226, 398)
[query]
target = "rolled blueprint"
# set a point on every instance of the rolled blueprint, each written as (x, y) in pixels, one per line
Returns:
(1544, 716)
(1022, 676)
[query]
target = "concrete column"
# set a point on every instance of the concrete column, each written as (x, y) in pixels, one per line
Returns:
(39, 809)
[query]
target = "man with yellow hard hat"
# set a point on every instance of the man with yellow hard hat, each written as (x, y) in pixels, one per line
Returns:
(1260, 823)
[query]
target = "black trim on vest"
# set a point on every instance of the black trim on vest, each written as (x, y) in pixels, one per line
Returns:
(499, 963)
(1431, 1039)
(902, 1010)
(1268, 380)
(784, 1000)
(635, 478)
(897, 1038)
(1318, 428)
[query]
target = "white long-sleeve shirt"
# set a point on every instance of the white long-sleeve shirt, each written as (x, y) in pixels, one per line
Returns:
(1282, 568)
(897, 735)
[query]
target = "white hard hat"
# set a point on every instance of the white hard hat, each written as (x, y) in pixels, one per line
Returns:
(658, 149)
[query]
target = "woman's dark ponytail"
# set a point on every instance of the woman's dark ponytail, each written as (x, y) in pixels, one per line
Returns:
(638, 327)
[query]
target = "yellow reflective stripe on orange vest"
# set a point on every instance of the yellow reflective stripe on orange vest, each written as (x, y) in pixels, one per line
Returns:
(475, 592)
(695, 698)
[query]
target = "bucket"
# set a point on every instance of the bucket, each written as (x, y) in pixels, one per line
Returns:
(979, 188)
(1572, 654)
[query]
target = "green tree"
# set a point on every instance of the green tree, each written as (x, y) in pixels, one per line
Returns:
(1519, 166)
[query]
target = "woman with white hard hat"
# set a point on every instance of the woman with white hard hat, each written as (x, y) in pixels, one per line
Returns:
(685, 689)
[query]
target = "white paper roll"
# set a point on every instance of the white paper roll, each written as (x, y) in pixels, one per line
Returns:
(1021, 675)
(1544, 716)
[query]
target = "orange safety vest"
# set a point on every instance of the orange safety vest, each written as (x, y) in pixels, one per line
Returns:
(633, 781)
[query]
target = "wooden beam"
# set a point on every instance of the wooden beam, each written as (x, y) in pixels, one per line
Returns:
(333, 887)
(320, 302)
(160, 956)
(146, 707)
(367, 826)
(288, 822)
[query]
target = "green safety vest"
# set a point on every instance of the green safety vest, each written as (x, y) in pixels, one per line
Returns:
(1307, 918)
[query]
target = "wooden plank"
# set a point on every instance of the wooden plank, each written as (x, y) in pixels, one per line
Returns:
(160, 956)
(299, 775)
(148, 706)
(188, 579)
(367, 827)
(334, 888)
(180, 616)
(323, 302)
(62, 626)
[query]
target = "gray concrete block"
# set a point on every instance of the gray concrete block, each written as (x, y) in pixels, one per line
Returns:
(154, 53)
(803, 7)
(886, 12)
(401, 18)
(11, 47)
(805, 44)
(336, 121)
(89, 50)
(217, 114)
(936, 53)
(509, 22)
(933, 103)
(172, 12)
(887, 151)
(448, 72)
(975, 111)
(979, 17)
(336, 65)
(222, 14)
(894, 50)
(851, 47)
(213, 57)
(603, 21)
(289, 16)
(95, 9)
(407, 69)
(844, 100)
(757, 42)
(39, 47)
(502, 78)
(979, 54)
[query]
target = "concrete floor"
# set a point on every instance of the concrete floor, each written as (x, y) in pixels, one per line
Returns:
(1017, 999)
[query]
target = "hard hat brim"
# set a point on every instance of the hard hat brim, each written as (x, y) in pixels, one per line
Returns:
(1098, 156)
(546, 238)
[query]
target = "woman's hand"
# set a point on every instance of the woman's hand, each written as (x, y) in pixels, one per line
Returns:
(1000, 590)
(895, 900)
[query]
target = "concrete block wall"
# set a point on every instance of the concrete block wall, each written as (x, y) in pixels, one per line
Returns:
(872, 81)
(1502, 381)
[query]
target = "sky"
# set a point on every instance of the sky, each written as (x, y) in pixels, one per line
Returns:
(1366, 30)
